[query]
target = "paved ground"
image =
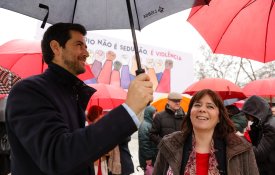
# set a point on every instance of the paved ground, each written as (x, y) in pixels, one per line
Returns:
(133, 146)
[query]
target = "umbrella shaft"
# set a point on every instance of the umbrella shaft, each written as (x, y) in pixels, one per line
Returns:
(139, 69)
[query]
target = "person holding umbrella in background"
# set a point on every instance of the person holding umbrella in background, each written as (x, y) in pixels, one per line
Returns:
(48, 134)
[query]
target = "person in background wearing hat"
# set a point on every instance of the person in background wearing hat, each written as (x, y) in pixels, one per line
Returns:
(169, 120)
(262, 133)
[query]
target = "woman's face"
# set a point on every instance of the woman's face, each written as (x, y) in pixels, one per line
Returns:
(204, 114)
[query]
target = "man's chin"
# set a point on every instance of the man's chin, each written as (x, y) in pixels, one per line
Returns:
(81, 71)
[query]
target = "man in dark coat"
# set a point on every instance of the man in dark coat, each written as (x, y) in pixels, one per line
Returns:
(262, 133)
(169, 120)
(45, 113)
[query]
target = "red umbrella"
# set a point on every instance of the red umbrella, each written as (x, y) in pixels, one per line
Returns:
(262, 87)
(107, 96)
(244, 28)
(239, 104)
(225, 88)
(24, 58)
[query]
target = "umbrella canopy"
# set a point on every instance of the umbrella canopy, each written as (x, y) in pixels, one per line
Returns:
(262, 87)
(107, 96)
(24, 57)
(103, 14)
(225, 88)
(243, 28)
(160, 103)
(239, 104)
(7, 80)
(98, 15)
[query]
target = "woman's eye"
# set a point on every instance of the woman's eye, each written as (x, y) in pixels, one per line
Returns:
(197, 105)
(211, 107)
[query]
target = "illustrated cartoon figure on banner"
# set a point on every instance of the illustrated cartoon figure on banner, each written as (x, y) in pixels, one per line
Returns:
(125, 71)
(151, 72)
(134, 67)
(97, 65)
(159, 68)
(90, 60)
(105, 74)
(115, 75)
(164, 84)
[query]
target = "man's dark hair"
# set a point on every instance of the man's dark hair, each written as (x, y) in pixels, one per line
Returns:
(61, 33)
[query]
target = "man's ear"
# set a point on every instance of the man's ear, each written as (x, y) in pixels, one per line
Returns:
(55, 47)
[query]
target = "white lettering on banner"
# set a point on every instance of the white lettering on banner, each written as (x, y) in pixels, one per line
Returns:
(169, 70)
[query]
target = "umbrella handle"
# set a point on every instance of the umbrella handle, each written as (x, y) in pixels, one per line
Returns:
(140, 71)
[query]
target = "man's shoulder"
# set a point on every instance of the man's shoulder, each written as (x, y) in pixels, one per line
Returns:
(35, 80)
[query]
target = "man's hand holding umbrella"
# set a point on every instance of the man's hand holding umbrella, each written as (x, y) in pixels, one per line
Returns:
(140, 93)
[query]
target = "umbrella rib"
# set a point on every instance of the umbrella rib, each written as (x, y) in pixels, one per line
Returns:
(249, 3)
(43, 6)
(75, 3)
(267, 25)
(139, 28)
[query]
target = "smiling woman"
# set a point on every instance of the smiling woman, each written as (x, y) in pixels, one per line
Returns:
(207, 139)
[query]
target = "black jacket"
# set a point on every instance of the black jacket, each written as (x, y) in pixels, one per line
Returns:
(166, 122)
(46, 126)
(262, 133)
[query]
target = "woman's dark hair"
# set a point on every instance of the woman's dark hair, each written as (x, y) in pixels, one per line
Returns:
(61, 33)
(94, 113)
(225, 125)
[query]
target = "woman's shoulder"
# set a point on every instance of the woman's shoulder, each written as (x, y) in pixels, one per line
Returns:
(174, 140)
(235, 144)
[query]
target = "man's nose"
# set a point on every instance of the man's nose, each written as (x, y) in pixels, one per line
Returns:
(86, 53)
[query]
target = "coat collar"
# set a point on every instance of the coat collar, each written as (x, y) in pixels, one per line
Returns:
(64, 77)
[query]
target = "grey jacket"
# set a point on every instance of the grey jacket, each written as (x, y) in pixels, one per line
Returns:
(240, 159)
